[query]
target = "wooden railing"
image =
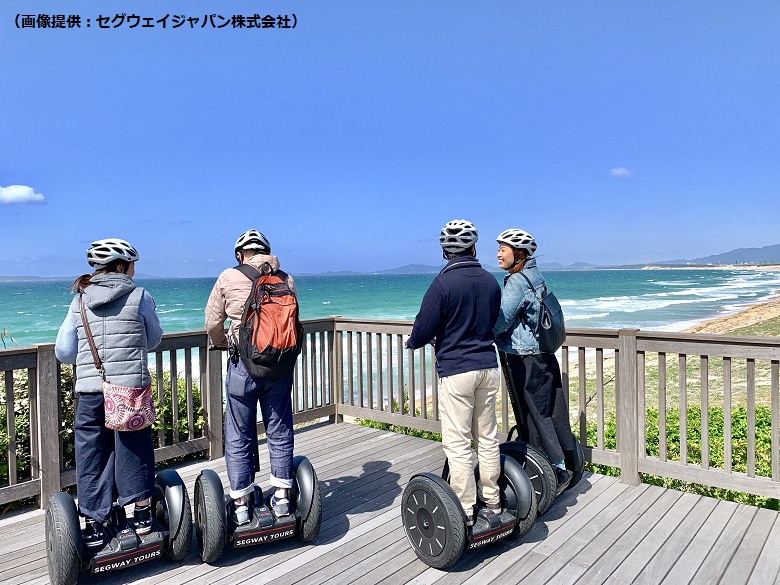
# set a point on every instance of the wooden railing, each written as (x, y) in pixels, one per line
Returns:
(624, 386)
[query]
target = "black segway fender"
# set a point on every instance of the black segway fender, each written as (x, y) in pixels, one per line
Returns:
(514, 473)
(173, 490)
(305, 478)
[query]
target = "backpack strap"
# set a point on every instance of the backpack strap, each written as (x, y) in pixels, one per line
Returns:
(253, 273)
(533, 288)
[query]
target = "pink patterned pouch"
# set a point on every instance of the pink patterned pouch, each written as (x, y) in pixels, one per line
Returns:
(128, 409)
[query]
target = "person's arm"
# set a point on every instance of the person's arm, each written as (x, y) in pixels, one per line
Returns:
(513, 301)
(216, 315)
(66, 347)
(428, 320)
(147, 310)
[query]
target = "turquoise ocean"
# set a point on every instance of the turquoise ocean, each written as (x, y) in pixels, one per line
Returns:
(668, 300)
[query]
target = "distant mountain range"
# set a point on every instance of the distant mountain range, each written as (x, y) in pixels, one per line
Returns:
(749, 256)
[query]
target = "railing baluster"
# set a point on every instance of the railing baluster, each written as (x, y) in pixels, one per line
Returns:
(412, 393)
(10, 426)
(360, 368)
(32, 382)
(599, 400)
(641, 412)
(683, 400)
(350, 369)
(583, 396)
(161, 397)
(390, 372)
(400, 348)
(662, 454)
(370, 368)
(435, 386)
(704, 375)
(774, 388)
(174, 397)
(727, 458)
(304, 372)
(313, 356)
(188, 388)
(380, 389)
(751, 417)
(323, 371)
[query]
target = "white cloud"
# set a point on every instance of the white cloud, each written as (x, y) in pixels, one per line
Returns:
(20, 194)
(621, 172)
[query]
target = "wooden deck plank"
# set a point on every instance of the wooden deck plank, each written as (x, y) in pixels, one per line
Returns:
(595, 545)
(598, 570)
(745, 558)
(724, 549)
(701, 544)
(767, 567)
(577, 540)
(674, 547)
(601, 531)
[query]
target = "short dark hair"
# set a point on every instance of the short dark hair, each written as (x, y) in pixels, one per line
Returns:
(452, 255)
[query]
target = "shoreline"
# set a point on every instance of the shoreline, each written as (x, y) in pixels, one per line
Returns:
(748, 316)
(732, 267)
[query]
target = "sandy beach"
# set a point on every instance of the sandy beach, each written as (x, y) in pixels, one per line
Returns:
(765, 267)
(749, 316)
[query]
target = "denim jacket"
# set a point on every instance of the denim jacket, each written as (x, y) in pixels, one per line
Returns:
(519, 312)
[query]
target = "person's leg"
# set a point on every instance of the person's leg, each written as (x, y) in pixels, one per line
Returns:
(276, 407)
(560, 413)
(94, 458)
(537, 385)
(485, 432)
(134, 465)
(456, 406)
(240, 421)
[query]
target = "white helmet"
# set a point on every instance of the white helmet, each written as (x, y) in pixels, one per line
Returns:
(518, 239)
(458, 235)
(252, 240)
(103, 252)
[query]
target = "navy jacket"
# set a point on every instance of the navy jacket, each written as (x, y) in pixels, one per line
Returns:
(458, 312)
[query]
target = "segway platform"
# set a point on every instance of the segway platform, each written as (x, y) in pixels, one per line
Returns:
(263, 526)
(171, 535)
(214, 526)
(437, 527)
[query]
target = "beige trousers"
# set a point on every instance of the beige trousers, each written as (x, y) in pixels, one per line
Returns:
(467, 407)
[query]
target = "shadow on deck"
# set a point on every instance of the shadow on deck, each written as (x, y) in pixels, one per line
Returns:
(601, 531)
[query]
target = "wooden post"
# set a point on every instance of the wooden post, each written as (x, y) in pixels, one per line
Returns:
(214, 413)
(628, 408)
(47, 418)
(336, 376)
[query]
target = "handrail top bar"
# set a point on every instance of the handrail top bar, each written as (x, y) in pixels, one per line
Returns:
(710, 338)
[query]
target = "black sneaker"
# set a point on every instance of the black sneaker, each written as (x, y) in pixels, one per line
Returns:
(92, 535)
(142, 519)
(564, 479)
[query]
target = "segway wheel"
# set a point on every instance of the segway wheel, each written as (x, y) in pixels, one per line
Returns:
(176, 515)
(575, 462)
(537, 468)
(433, 520)
(63, 540)
(210, 516)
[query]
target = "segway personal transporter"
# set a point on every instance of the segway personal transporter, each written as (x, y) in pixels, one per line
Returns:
(535, 463)
(214, 526)
(170, 537)
(437, 527)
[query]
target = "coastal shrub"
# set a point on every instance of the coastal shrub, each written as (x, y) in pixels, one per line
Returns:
(165, 412)
(400, 429)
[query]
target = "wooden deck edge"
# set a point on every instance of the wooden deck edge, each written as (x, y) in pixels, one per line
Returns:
(415, 422)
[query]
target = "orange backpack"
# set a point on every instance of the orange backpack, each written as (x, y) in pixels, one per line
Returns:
(270, 335)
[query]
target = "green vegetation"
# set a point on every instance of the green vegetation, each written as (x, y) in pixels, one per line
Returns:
(768, 328)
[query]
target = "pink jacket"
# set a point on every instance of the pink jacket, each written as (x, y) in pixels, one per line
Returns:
(228, 297)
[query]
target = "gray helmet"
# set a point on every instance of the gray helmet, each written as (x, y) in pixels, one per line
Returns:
(518, 239)
(102, 252)
(252, 240)
(458, 235)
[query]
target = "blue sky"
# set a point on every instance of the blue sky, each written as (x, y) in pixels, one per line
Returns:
(613, 131)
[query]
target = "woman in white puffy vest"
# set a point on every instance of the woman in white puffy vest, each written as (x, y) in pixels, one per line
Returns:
(110, 465)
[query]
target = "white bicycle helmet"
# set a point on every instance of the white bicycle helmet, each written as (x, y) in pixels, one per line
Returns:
(103, 252)
(518, 239)
(252, 240)
(458, 235)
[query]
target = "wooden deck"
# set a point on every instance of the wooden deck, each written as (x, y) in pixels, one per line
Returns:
(602, 531)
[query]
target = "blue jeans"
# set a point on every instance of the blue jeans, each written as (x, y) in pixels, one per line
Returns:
(243, 392)
(109, 464)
